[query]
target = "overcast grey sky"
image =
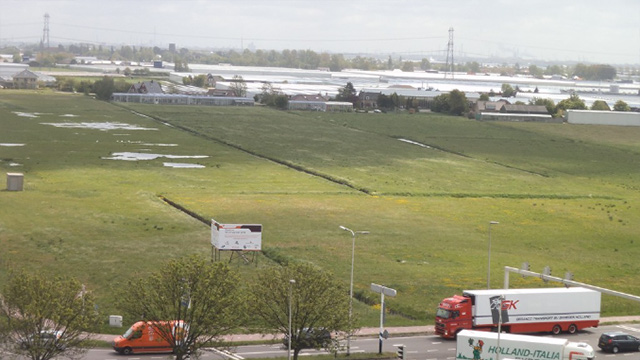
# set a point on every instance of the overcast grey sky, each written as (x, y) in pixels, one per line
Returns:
(552, 30)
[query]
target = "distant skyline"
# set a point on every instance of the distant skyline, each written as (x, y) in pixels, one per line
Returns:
(553, 31)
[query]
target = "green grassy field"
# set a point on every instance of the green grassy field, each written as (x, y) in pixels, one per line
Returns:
(565, 196)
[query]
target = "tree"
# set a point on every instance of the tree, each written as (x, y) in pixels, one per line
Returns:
(535, 71)
(548, 103)
(383, 101)
(338, 62)
(458, 104)
(239, 86)
(508, 91)
(66, 84)
(621, 106)
(317, 302)
(390, 102)
(573, 102)
(440, 103)
(554, 70)
(199, 81)
(204, 295)
(104, 88)
(270, 96)
(281, 102)
(473, 67)
(347, 93)
(180, 65)
(600, 105)
(425, 64)
(595, 72)
(34, 305)
(408, 66)
(484, 97)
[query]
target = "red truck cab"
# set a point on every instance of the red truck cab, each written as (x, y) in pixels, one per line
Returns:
(453, 315)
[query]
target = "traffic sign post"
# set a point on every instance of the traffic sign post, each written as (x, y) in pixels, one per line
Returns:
(382, 290)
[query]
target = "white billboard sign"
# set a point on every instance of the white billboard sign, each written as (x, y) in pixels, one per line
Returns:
(245, 237)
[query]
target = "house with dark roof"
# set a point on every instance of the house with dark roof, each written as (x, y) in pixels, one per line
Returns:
(317, 97)
(489, 106)
(524, 109)
(146, 87)
(368, 99)
(25, 80)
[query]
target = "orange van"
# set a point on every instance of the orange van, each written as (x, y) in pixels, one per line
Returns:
(144, 337)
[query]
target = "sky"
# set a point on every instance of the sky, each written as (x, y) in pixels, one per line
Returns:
(585, 31)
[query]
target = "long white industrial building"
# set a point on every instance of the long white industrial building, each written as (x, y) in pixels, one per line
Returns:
(593, 117)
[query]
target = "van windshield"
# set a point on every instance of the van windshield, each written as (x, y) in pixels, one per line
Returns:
(128, 333)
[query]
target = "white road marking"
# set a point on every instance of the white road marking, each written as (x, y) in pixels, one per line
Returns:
(226, 353)
(629, 328)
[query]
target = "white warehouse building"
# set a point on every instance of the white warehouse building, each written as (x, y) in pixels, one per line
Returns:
(593, 117)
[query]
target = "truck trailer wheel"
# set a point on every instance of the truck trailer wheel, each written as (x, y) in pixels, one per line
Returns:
(572, 329)
(556, 329)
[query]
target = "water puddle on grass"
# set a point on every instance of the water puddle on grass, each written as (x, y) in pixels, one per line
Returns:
(104, 126)
(145, 144)
(26, 114)
(183, 165)
(416, 143)
(69, 115)
(10, 145)
(135, 156)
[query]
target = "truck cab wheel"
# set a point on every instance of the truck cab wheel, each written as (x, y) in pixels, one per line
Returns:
(556, 329)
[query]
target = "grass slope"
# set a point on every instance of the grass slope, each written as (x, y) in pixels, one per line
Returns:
(565, 196)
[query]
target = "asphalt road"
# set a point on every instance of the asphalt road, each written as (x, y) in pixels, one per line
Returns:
(419, 347)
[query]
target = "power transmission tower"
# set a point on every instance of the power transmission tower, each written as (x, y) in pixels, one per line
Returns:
(45, 31)
(449, 65)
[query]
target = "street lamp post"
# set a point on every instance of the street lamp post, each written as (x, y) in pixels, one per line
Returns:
(353, 255)
(291, 282)
(489, 265)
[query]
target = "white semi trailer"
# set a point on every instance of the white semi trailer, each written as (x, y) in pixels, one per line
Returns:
(522, 310)
(484, 345)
